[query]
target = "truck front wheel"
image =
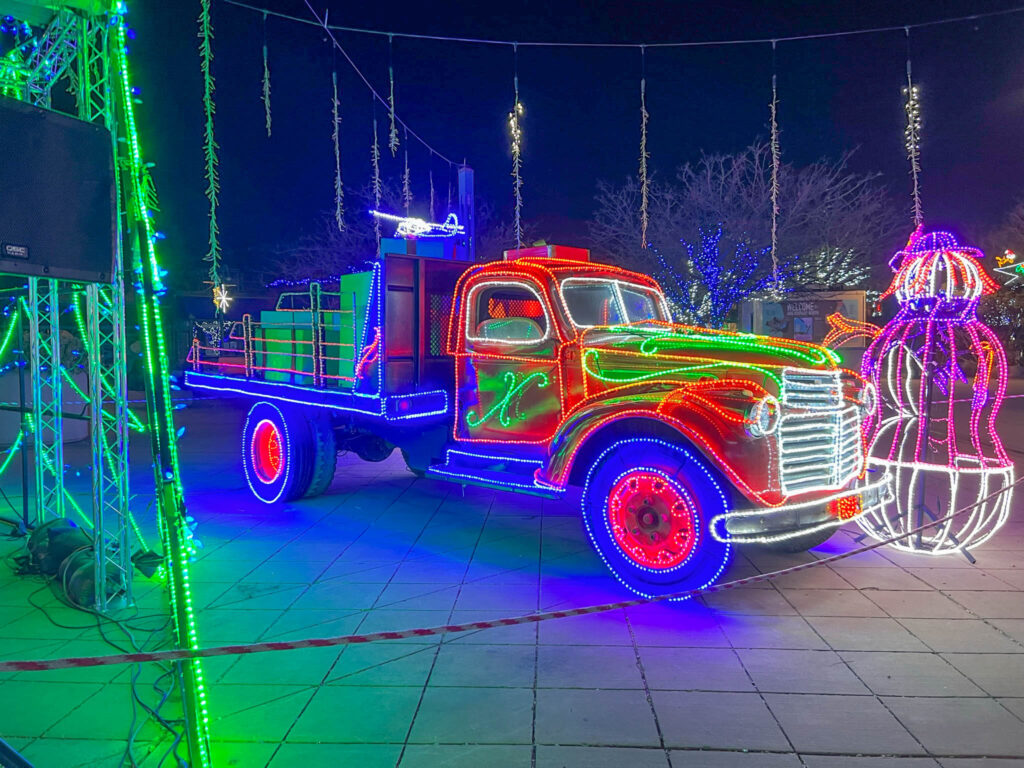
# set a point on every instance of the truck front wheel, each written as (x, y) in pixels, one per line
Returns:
(801, 543)
(286, 454)
(647, 505)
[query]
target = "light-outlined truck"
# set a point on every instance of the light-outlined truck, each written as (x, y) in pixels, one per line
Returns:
(546, 371)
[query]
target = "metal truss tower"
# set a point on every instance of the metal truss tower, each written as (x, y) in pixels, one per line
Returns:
(72, 47)
(82, 46)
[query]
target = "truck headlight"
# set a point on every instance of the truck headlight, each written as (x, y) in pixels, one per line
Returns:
(868, 399)
(763, 417)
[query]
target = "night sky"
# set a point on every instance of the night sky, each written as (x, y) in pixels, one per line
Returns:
(582, 105)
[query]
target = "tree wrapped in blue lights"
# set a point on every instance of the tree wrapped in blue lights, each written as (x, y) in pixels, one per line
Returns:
(704, 287)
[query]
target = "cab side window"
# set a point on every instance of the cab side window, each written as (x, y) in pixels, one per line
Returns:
(507, 312)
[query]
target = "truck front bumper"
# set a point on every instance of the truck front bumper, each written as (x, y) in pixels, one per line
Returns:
(764, 525)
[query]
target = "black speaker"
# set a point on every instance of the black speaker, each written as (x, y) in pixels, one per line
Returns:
(57, 195)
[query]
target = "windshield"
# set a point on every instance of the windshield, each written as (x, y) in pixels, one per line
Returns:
(599, 301)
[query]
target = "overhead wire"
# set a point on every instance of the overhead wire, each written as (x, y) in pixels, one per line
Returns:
(330, 29)
(677, 44)
(322, 23)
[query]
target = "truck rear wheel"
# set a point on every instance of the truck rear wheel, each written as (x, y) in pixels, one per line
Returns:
(647, 506)
(286, 454)
(411, 466)
(323, 455)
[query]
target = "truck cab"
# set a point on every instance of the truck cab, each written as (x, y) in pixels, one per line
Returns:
(546, 372)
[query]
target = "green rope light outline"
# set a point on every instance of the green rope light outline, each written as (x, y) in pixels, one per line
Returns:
(680, 371)
(751, 341)
(653, 345)
(513, 392)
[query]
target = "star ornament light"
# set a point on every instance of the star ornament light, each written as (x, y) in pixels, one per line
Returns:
(221, 299)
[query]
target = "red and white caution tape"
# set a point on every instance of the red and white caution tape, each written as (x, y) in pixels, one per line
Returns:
(324, 642)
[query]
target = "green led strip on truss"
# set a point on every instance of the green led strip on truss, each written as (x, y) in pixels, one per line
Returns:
(170, 495)
(134, 423)
(5, 343)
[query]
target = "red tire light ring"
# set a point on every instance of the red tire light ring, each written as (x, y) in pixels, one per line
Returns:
(653, 522)
(267, 453)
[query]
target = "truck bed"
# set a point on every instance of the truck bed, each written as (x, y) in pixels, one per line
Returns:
(376, 346)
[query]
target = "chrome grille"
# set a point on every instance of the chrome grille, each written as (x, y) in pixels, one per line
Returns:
(819, 439)
(814, 390)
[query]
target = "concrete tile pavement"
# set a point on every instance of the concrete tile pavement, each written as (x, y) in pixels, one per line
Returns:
(882, 660)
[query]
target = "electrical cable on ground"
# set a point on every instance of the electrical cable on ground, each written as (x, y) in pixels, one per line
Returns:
(155, 639)
(263, 647)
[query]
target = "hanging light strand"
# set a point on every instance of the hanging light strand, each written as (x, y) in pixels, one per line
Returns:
(377, 187)
(266, 78)
(644, 154)
(776, 160)
(515, 130)
(430, 175)
(912, 135)
(321, 21)
(209, 143)
(339, 189)
(406, 181)
(393, 130)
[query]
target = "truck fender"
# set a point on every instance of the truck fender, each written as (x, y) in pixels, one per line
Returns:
(694, 422)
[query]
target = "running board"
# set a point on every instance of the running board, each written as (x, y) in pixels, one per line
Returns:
(503, 473)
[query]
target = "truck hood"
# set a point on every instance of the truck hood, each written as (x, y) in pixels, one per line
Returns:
(634, 353)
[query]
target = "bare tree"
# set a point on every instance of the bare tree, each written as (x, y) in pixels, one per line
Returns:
(1010, 234)
(707, 285)
(615, 226)
(833, 269)
(822, 206)
(327, 251)
(826, 211)
(494, 236)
